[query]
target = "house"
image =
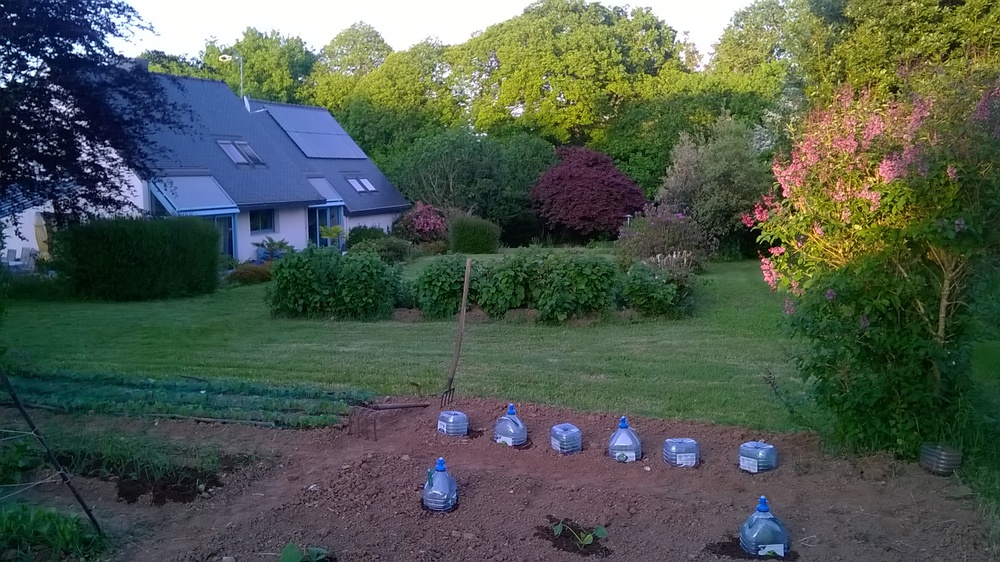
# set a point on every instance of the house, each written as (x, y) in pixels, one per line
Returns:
(256, 169)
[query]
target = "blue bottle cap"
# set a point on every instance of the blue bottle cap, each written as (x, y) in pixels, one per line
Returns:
(440, 465)
(623, 424)
(762, 504)
(510, 410)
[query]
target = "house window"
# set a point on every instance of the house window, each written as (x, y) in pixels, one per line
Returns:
(368, 185)
(249, 153)
(262, 221)
(356, 185)
(233, 153)
(240, 152)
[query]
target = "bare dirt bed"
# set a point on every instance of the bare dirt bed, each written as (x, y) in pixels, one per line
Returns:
(360, 499)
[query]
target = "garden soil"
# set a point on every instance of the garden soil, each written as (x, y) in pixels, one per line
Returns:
(360, 499)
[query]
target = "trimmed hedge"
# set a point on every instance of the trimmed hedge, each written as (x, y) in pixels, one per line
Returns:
(130, 259)
(649, 294)
(360, 234)
(472, 235)
(392, 250)
(320, 282)
(250, 274)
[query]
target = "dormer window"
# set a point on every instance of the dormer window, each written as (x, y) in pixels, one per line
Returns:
(240, 152)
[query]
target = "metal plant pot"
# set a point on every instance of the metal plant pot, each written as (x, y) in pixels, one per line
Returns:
(939, 459)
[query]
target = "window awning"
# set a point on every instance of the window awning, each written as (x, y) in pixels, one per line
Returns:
(326, 191)
(192, 195)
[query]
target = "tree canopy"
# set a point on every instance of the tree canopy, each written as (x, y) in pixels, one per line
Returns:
(275, 67)
(75, 115)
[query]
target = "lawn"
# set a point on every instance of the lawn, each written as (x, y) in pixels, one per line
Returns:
(708, 367)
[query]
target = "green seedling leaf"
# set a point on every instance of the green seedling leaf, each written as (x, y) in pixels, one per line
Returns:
(290, 553)
(587, 539)
(557, 530)
(600, 532)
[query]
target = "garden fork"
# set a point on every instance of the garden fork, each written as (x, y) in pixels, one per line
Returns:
(449, 392)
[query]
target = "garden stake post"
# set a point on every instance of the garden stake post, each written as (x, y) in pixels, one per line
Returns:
(449, 391)
(48, 452)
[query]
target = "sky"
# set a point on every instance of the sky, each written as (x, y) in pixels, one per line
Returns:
(184, 26)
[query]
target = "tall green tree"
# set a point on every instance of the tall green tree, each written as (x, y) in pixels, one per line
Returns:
(352, 54)
(275, 67)
(561, 68)
(757, 36)
(75, 115)
(641, 136)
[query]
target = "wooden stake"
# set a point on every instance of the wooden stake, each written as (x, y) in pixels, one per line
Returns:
(461, 328)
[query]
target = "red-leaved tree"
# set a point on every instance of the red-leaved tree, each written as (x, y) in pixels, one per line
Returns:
(585, 194)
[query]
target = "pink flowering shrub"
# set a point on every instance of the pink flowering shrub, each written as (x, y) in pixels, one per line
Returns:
(880, 213)
(422, 223)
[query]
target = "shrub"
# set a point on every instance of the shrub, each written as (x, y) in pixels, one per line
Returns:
(390, 249)
(422, 223)
(503, 285)
(359, 234)
(473, 235)
(250, 274)
(659, 231)
(567, 285)
(714, 180)
(437, 248)
(138, 259)
(321, 282)
(35, 287)
(406, 293)
(439, 286)
(270, 249)
(33, 533)
(648, 294)
(585, 194)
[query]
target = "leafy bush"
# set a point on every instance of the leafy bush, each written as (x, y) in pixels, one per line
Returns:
(17, 459)
(713, 180)
(503, 285)
(35, 287)
(45, 533)
(270, 249)
(359, 234)
(392, 250)
(406, 293)
(422, 223)
(473, 235)
(437, 248)
(567, 285)
(659, 231)
(649, 294)
(321, 282)
(250, 274)
(439, 286)
(585, 194)
(138, 259)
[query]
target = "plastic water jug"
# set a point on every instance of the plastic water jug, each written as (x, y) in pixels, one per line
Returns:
(763, 534)
(681, 452)
(509, 430)
(453, 423)
(440, 490)
(624, 445)
(566, 438)
(757, 456)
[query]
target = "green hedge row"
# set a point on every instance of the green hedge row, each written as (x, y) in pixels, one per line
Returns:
(129, 259)
(322, 283)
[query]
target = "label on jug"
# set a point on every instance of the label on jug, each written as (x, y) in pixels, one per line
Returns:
(771, 550)
(625, 457)
(748, 464)
(506, 441)
(687, 459)
(442, 427)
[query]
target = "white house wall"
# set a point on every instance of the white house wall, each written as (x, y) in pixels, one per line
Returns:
(380, 221)
(290, 224)
(135, 193)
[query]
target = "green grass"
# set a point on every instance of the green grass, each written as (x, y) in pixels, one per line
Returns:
(708, 367)
(35, 533)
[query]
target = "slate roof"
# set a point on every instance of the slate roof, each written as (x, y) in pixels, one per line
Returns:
(336, 157)
(271, 130)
